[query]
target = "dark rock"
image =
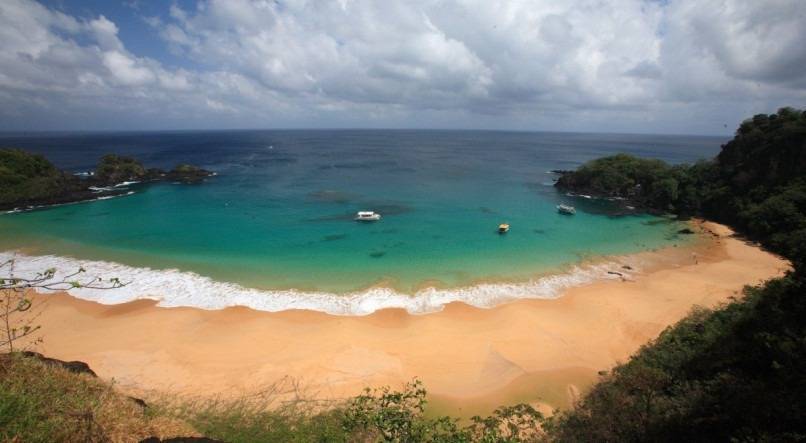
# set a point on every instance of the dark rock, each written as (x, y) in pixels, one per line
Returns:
(685, 231)
(139, 401)
(188, 174)
(77, 367)
(114, 169)
(628, 267)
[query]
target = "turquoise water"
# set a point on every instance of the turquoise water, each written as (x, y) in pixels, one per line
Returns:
(279, 214)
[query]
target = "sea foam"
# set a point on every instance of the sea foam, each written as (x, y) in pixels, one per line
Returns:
(32, 208)
(174, 288)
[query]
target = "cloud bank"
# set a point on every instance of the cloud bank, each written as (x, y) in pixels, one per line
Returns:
(683, 66)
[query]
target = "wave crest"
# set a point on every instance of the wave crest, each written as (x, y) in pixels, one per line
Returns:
(174, 288)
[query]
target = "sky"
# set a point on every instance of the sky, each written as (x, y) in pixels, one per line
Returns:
(640, 66)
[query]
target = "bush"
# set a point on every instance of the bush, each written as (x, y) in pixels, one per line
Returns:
(733, 374)
(25, 177)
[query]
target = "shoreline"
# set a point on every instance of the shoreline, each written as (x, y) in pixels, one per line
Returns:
(543, 351)
(172, 288)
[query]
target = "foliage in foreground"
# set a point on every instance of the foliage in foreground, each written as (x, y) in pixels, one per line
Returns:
(43, 403)
(376, 415)
(733, 374)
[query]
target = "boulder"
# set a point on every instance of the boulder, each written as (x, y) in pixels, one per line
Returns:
(77, 367)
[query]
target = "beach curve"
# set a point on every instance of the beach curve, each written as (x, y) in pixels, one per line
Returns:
(543, 351)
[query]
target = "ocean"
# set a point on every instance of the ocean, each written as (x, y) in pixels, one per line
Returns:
(274, 229)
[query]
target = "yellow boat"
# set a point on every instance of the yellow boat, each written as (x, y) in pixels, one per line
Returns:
(503, 228)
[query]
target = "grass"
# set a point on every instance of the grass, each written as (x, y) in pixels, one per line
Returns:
(258, 419)
(42, 403)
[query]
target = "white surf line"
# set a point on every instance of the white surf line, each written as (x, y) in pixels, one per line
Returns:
(174, 288)
(33, 208)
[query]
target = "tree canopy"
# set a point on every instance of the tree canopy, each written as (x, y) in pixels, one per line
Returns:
(735, 373)
(757, 183)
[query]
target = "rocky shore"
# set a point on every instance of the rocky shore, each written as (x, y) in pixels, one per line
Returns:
(31, 181)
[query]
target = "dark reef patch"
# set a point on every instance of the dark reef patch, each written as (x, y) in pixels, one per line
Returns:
(331, 196)
(486, 210)
(334, 237)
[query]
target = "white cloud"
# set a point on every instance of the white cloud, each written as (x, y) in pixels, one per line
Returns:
(679, 66)
(105, 33)
(126, 70)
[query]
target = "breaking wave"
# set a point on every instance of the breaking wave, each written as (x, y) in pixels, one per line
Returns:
(31, 208)
(174, 288)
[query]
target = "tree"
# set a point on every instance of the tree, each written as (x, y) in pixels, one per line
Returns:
(17, 316)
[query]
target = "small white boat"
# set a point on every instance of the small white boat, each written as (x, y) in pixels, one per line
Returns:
(503, 228)
(565, 209)
(367, 216)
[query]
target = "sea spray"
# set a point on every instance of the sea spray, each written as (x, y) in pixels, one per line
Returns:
(174, 288)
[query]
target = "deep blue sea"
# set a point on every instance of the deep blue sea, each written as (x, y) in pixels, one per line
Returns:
(274, 229)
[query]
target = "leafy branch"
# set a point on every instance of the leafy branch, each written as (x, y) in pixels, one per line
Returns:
(17, 316)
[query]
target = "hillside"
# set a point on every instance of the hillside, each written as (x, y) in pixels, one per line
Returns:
(757, 183)
(28, 179)
(736, 373)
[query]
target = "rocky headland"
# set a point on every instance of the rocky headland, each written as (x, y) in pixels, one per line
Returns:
(29, 180)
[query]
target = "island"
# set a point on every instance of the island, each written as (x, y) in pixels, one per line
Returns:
(29, 180)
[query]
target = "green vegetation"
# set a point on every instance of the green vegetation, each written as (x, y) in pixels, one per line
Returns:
(28, 177)
(736, 373)
(118, 169)
(651, 183)
(760, 182)
(44, 403)
(733, 374)
(756, 184)
(31, 180)
(185, 168)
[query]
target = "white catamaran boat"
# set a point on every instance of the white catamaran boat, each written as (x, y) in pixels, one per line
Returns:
(565, 209)
(367, 216)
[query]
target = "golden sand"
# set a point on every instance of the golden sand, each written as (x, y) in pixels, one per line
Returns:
(471, 360)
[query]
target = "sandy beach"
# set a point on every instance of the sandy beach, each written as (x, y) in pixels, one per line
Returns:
(471, 360)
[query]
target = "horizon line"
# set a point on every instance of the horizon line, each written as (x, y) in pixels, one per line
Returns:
(4, 132)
